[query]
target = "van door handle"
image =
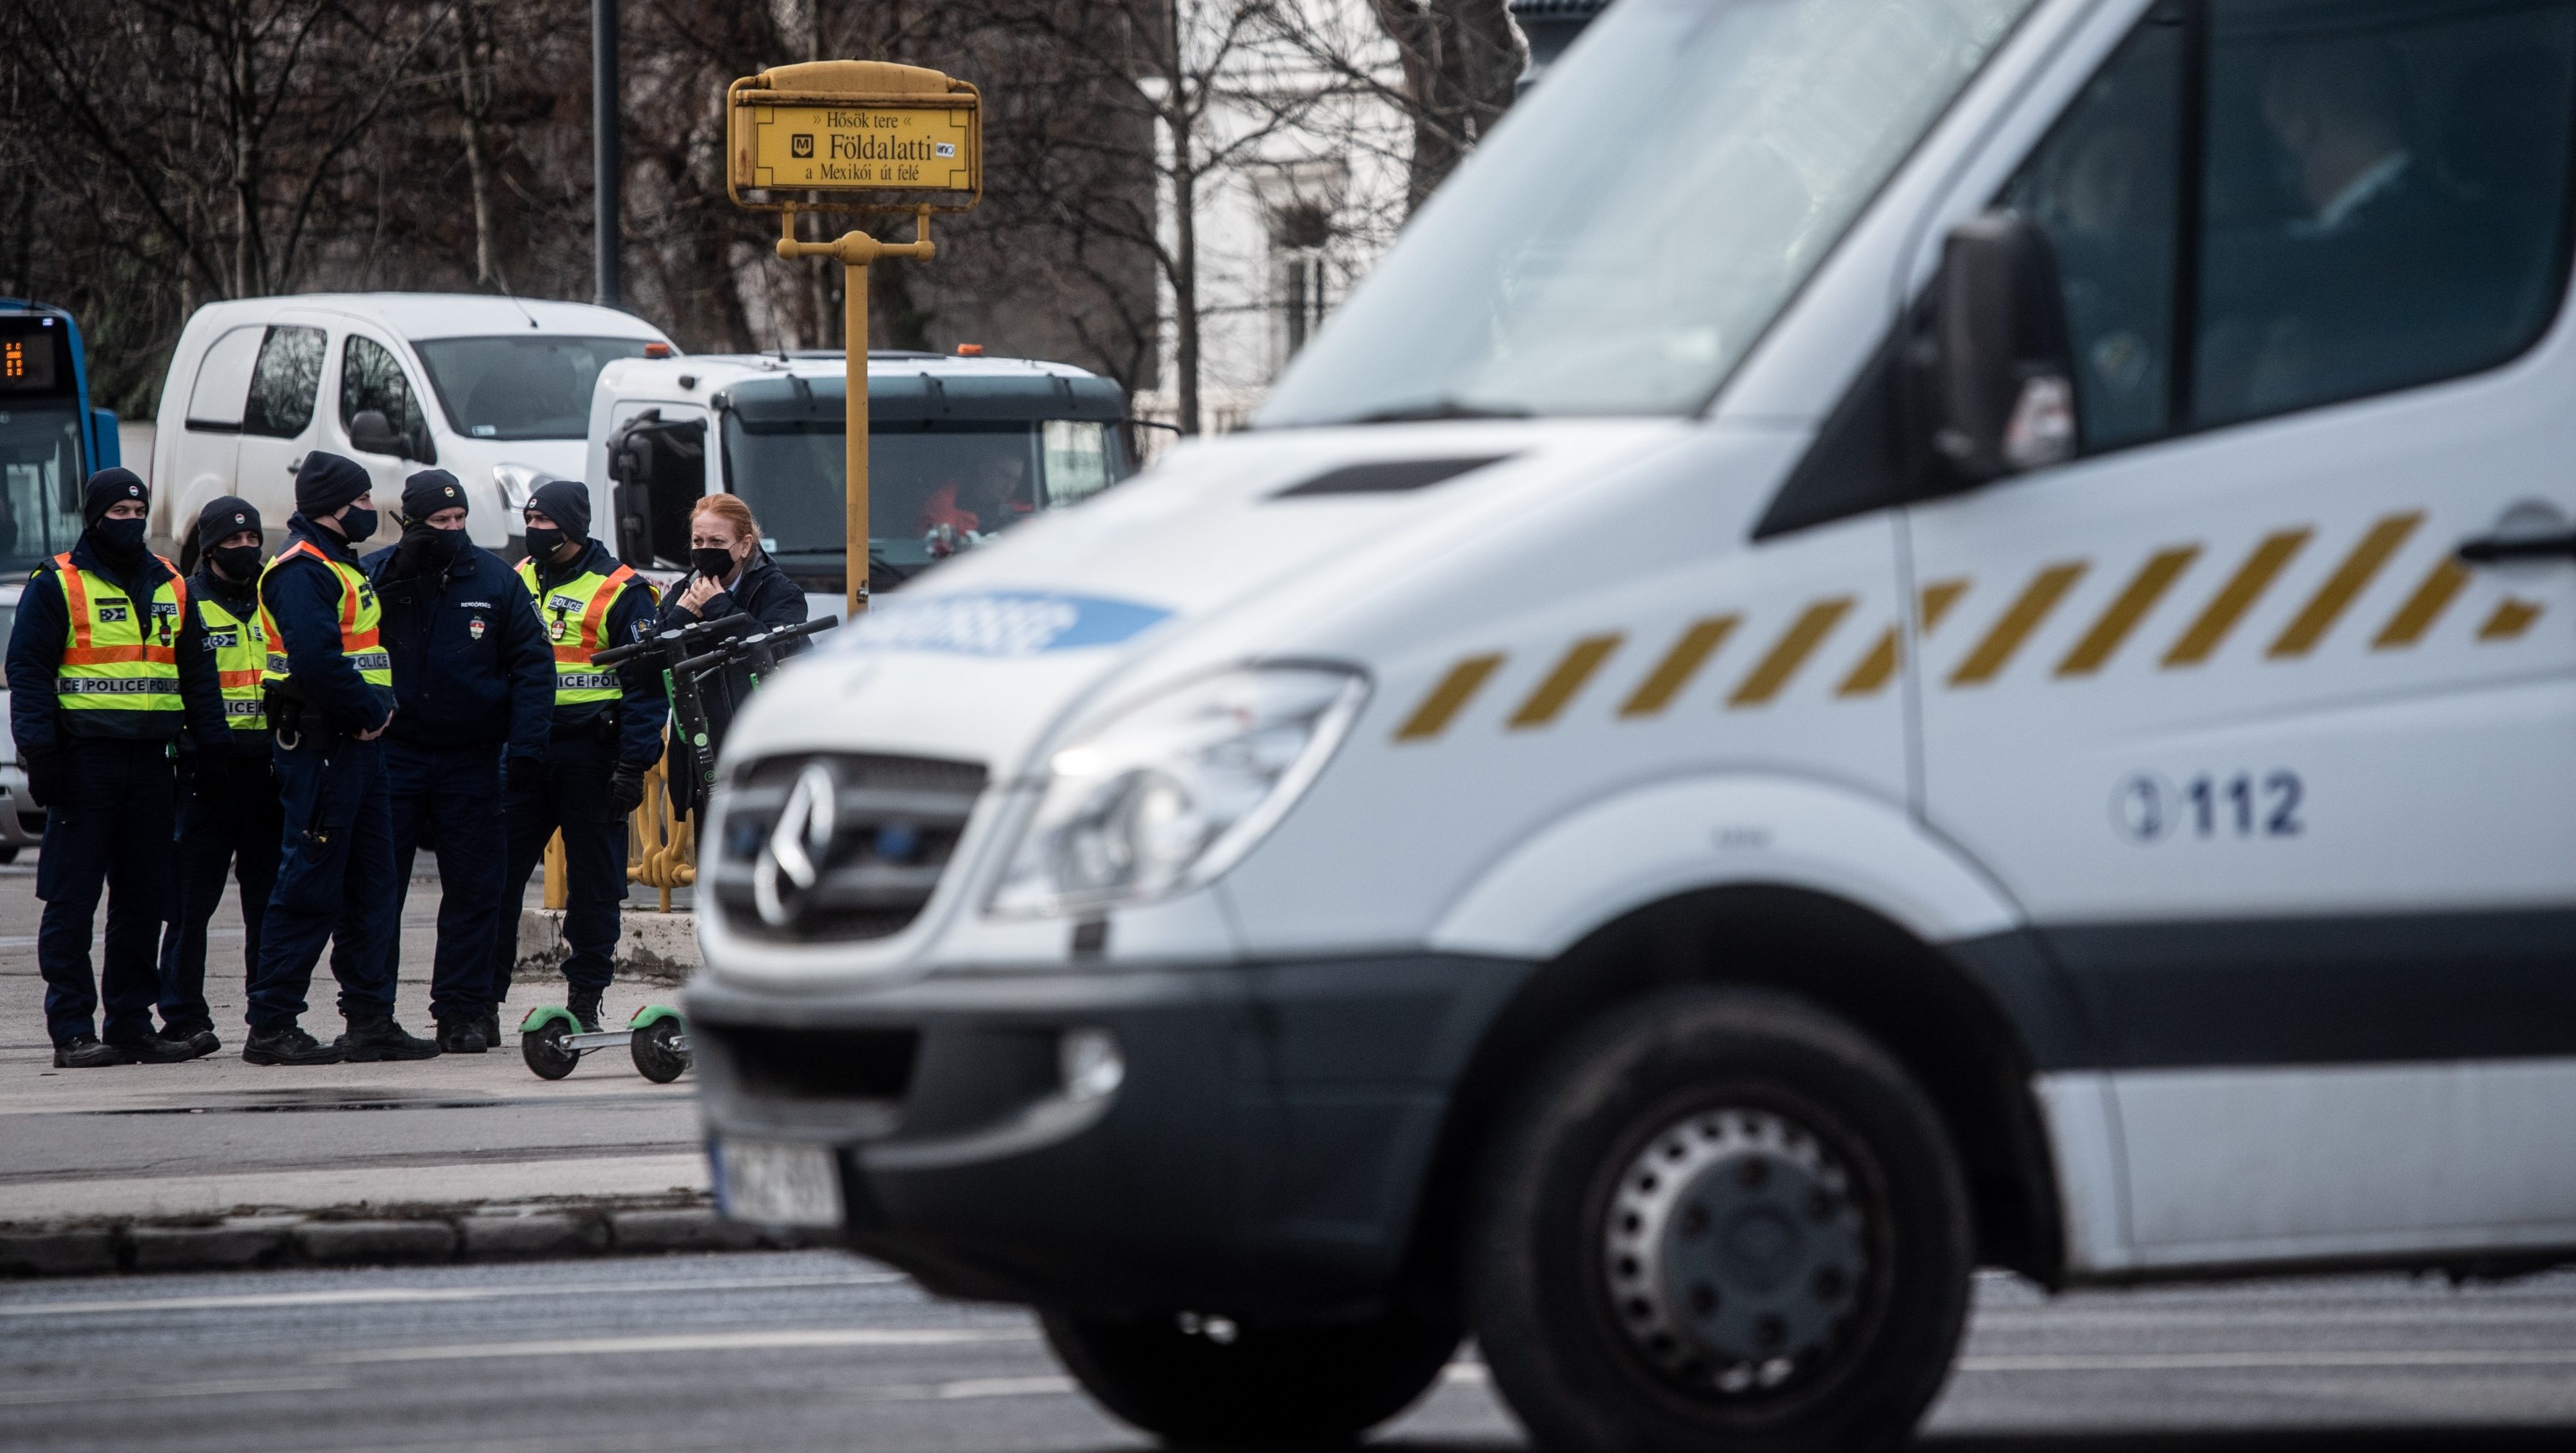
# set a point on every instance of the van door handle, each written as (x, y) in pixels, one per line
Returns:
(295, 465)
(2496, 548)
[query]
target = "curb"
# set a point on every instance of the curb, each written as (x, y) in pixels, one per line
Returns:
(390, 1235)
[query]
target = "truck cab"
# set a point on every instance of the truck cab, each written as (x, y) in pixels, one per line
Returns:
(1897, 636)
(960, 449)
(51, 442)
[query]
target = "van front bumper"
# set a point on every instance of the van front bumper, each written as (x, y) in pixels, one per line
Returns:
(1263, 1153)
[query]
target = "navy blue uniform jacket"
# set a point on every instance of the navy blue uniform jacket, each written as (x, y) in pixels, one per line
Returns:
(641, 705)
(472, 666)
(303, 599)
(36, 654)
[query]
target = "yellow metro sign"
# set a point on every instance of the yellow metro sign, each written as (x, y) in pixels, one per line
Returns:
(806, 137)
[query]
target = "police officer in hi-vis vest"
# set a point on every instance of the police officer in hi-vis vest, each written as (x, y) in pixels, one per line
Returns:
(330, 696)
(105, 676)
(607, 731)
(228, 815)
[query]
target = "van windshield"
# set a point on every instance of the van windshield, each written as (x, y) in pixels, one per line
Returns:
(520, 388)
(1623, 240)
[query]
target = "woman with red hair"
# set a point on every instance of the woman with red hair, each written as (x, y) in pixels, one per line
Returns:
(729, 575)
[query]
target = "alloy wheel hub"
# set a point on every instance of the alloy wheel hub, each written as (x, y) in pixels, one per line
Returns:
(1735, 1252)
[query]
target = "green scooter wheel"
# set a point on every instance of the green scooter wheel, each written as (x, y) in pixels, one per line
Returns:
(659, 1056)
(545, 1052)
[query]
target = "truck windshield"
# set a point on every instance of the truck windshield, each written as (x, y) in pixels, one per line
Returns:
(930, 491)
(1623, 240)
(41, 475)
(519, 388)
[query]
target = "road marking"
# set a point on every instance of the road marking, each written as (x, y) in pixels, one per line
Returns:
(432, 1294)
(1003, 1387)
(683, 1342)
(2268, 1361)
(120, 1392)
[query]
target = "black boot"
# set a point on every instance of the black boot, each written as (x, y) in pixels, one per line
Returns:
(380, 1038)
(492, 1028)
(584, 1004)
(462, 1034)
(84, 1052)
(151, 1049)
(288, 1044)
(200, 1042)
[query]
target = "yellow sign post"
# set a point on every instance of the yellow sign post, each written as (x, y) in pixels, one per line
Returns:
(854, 136)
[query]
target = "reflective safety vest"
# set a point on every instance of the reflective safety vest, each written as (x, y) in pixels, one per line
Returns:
(359, 615)
(241, 652)
(575, 614)
(118, 662)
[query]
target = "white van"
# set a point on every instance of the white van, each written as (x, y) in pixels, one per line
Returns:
(493, 390)
(1899, 635)
(1027, 435)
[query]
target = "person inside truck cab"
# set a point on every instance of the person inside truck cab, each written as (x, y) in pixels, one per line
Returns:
(982, 501)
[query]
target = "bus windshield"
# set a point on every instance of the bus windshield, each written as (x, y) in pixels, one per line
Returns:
(41, 476)
(1629, 233)
(930, 491)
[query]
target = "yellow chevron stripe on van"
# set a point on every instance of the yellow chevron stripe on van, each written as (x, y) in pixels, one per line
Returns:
(2510, 619)
(2024, 616)
(2252, 578)
(1448, 698)
(2441, 584)
(2349, 580)
(1584, 658)
(2137, 598)
(1879, 667)
(1790, 652)
(1679, 665)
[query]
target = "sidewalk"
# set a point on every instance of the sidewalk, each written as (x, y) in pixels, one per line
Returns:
(127, 1154)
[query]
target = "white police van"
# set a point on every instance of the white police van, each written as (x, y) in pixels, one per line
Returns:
(1899, 635)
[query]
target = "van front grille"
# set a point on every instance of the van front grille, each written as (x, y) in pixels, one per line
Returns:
(870, 839)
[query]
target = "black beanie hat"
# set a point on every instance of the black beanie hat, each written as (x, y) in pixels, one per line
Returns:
(223, 515)
(428, 492)
(326, 481)
(567, 503)
(107, 487)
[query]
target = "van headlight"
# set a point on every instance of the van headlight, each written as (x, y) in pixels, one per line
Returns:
(517, 482)
(1169, 794)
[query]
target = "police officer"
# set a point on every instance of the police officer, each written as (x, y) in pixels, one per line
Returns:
(473, 676)
(607, 731)
(105, 675)
(330, 697)
(228, 815)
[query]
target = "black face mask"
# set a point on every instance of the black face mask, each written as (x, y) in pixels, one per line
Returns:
(119, 539)
(712, 561)
(543, 542)
(430, 549)
(357, 525)
(237, 563)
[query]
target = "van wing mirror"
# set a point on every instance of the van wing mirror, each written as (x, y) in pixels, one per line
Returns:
(2000, 382)
(369, 433)
(630, 472)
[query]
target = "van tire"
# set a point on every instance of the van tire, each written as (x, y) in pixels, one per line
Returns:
(1711, 1080)
(1266, 1387)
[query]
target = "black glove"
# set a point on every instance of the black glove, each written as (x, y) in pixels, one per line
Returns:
(207, 775)
(527, 773)
(44, 773)
(626, 787)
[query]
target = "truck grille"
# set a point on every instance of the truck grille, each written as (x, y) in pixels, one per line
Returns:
(871, 836)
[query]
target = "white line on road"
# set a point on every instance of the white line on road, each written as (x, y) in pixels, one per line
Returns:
(684, 1342)
(128, 1391)
(359, 1298)
(2291, 1360)
(1002, 1387)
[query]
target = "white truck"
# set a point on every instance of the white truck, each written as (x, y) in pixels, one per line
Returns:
(1899, 635)
(948, 433)
(495, 391)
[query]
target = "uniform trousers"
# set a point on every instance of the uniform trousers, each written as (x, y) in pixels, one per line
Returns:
(335, 882)
(572, 795)
(236, 830)
(111, 831)
(447, 795)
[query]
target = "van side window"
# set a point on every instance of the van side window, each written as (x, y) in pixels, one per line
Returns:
(2260, 206)
(223, 383)
(372, 378)
(285, 384)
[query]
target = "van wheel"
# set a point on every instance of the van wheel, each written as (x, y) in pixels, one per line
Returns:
(1212, 1383)
(1720, 1220)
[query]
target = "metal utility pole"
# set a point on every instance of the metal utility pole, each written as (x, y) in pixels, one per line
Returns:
(605, 161)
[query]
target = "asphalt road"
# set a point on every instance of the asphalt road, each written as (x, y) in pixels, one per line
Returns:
(786, 1352)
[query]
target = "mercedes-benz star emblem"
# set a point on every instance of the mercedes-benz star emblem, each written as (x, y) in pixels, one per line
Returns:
(796, 845)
